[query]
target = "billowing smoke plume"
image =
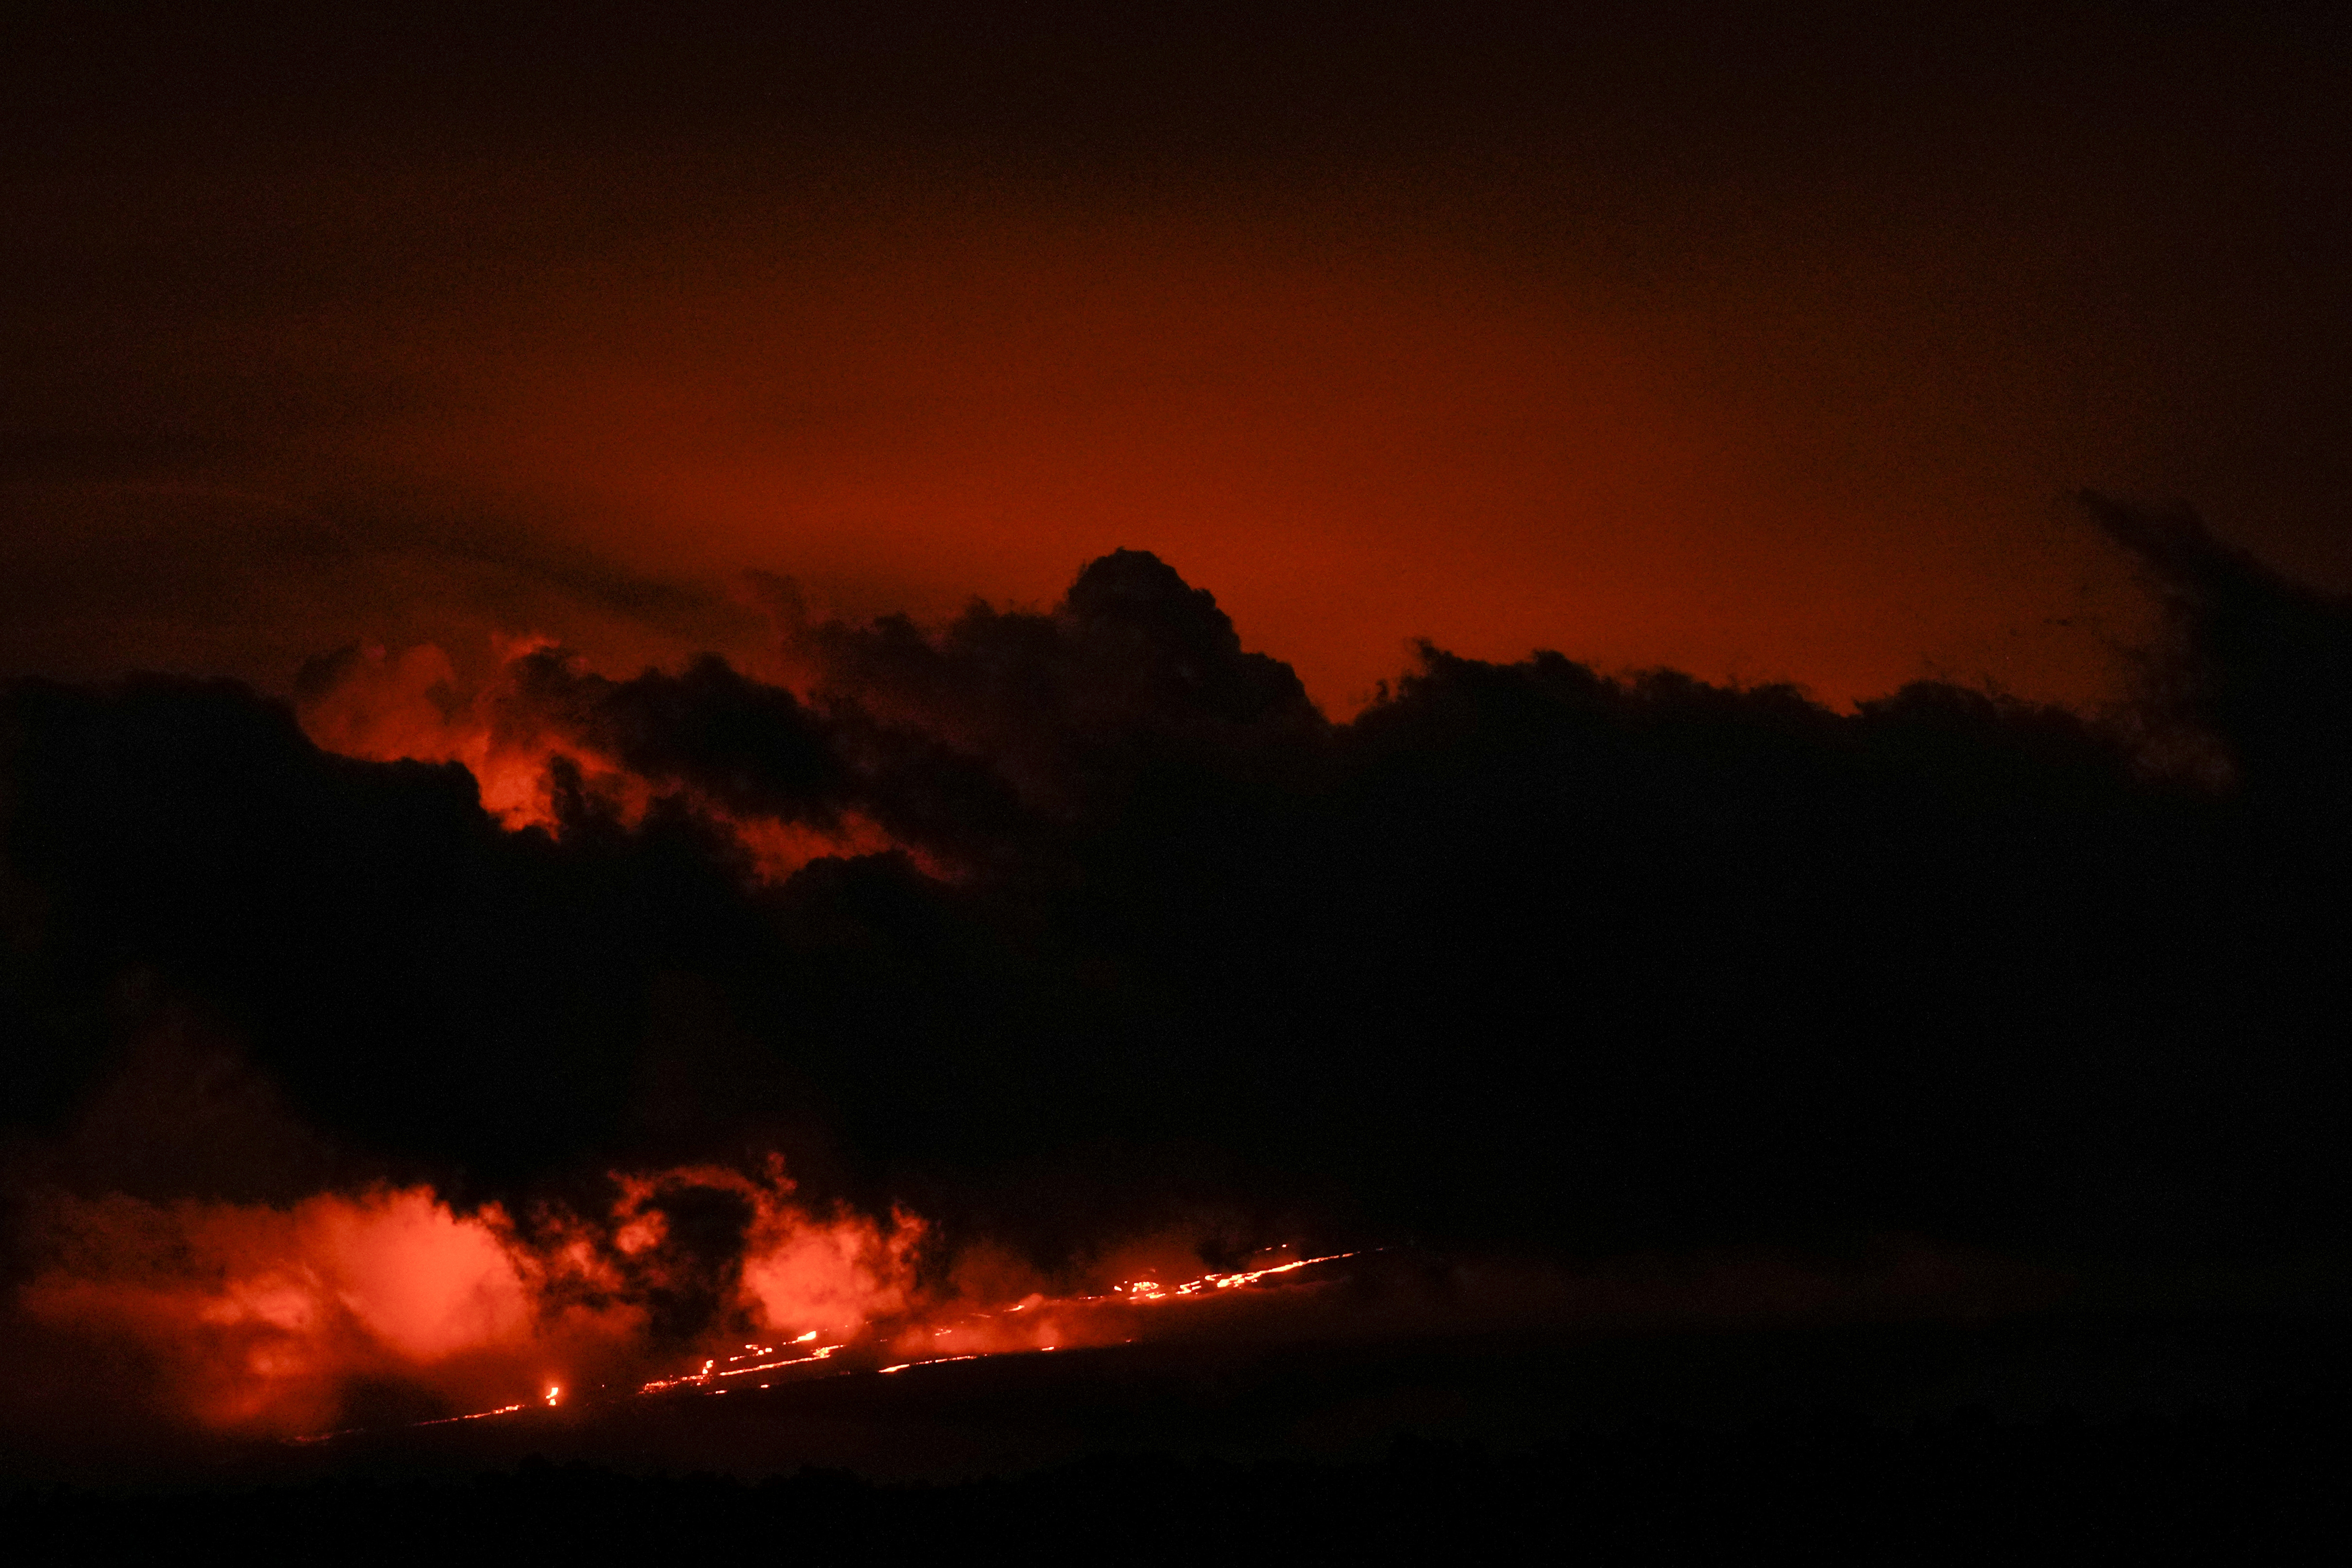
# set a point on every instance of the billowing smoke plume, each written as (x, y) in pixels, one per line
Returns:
(1059, 926)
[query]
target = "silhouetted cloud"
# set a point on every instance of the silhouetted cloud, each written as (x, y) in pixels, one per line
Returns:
(1523, 952)
(2257, 663)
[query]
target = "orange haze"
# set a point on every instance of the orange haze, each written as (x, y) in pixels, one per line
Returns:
(1354, 435)
(1756, 341)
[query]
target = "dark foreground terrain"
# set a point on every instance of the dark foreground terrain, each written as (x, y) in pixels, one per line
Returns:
(2254, 1486)
(2192, 1439)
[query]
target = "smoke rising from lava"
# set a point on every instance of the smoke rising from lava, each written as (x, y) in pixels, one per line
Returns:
(252, 1317)
(1057, 927)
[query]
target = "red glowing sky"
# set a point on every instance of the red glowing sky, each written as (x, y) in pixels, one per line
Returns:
(1766, 350)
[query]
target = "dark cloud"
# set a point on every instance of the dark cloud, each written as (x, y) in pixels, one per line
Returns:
(2248, 658)
(752, 748)
(1522, 952)
(1133, 669)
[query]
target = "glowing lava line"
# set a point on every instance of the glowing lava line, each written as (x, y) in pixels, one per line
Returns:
(1042, 1316)
(1037, 1324)
(710, 1371)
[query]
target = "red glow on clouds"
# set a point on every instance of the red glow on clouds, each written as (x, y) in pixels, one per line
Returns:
(385, 706)
(1352, 440)
(412, 704)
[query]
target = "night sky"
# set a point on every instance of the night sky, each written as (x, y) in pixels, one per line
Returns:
(1758, 342)
(671, 679)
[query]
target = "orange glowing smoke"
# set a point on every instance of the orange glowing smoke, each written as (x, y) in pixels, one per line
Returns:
(263, 1319)
(258, 1317)
(801, 1273)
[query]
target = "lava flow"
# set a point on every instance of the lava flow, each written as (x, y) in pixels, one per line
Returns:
(1051, 1322)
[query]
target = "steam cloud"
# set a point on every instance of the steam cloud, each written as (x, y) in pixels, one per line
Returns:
(1066, 925)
